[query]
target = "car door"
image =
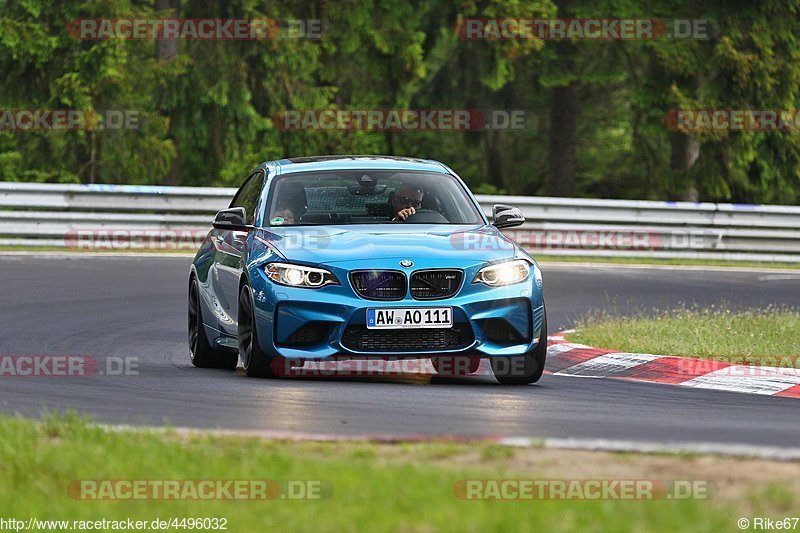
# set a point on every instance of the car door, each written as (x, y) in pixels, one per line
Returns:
(231, 251)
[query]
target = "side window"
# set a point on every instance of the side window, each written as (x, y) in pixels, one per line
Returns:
(249, 195)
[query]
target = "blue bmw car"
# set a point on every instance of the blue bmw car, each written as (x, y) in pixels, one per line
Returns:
(356, 257)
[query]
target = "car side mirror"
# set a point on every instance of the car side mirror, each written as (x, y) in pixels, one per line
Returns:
(233, 219)
(506, 216)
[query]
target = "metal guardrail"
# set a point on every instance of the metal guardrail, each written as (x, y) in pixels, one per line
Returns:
(164, 217)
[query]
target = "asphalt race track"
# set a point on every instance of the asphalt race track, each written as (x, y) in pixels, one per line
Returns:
(135, 307)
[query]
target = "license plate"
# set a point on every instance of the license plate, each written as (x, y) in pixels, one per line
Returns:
(412, 317)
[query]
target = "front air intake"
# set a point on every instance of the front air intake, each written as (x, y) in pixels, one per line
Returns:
(435, 284)
(403, 341)
(379, 284)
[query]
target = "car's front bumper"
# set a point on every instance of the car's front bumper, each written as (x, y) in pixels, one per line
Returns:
(331, 322)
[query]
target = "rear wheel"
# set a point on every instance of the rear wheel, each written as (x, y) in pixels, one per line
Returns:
(201, 352)
(523, 369)
(256, 363)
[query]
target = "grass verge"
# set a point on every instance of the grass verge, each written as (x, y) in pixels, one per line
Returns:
(757, 337)
(375, 487)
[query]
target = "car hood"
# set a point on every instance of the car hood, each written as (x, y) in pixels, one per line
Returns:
(331, 244)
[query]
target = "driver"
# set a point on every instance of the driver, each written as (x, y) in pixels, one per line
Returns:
(406, 200)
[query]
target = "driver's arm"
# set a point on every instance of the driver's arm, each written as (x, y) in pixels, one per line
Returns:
(403, 214)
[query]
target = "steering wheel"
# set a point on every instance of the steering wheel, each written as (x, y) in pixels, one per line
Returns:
(427, 216)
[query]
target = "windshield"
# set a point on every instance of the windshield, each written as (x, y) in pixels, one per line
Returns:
(369, 197)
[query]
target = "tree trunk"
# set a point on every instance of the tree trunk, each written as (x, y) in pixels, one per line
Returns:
(495, 161)
(563, 127)
(93, 159)
(684, 151)
(166, 49)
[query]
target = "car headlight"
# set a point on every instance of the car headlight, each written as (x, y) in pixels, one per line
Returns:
(300, 276)
(506, 273)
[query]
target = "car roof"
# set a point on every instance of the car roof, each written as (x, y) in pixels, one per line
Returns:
(356, 162)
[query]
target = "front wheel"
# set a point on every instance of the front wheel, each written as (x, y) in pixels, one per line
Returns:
(255, 362)
(523, 369)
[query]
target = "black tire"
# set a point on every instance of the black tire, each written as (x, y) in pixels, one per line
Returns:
(200, 351)
(256, 363)
(523, 369)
